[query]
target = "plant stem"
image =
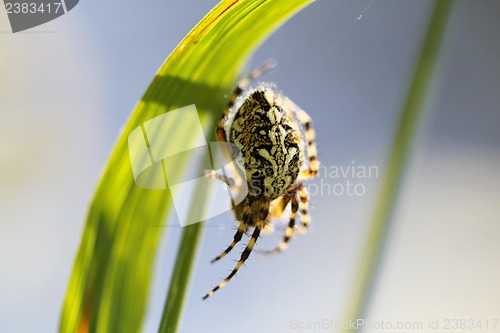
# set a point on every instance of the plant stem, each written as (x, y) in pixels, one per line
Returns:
(174, 304)
(403, 142)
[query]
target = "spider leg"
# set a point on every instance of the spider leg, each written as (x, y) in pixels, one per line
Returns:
(242, 228)
(304, 209)
(264, 211)
(276, 210)
(289, 230)
(310, 136)
(292, 195)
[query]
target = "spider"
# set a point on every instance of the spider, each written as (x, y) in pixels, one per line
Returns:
(267, 129)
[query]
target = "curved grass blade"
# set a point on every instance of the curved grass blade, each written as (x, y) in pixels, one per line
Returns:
(403, 142)
(109, 286)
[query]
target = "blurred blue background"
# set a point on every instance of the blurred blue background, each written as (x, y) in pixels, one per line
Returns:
(67, 87)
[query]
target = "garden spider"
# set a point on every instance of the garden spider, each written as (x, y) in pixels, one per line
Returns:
(266, 129)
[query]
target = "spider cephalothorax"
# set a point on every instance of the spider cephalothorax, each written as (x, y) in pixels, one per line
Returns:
(265, 127)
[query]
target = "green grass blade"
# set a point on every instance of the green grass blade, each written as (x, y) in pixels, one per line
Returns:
(186, 255)
(403, 141)
(109, 286)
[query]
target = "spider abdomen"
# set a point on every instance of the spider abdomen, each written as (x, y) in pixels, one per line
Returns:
(269, 140)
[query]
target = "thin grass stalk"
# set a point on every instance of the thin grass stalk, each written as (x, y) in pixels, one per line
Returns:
(404, 139)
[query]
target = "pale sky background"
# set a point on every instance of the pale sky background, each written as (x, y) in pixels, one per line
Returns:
(67, 88)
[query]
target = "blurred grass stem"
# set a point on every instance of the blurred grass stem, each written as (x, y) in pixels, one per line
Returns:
(405, 136)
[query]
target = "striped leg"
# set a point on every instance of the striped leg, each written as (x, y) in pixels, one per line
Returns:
(311, 152)
(304, 209)
(305, 119)
(290, 229)
(264, 211)
(242, 227)
(242, 85)
(290, 195)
